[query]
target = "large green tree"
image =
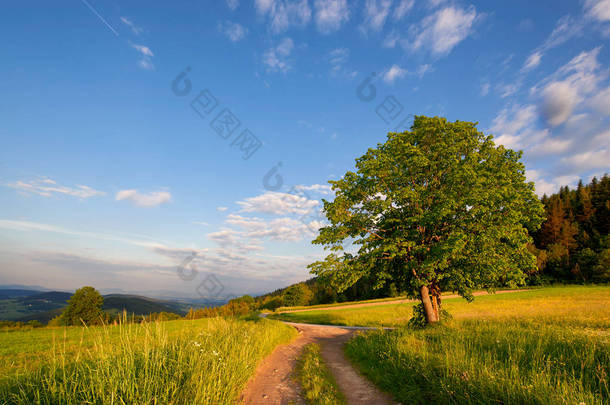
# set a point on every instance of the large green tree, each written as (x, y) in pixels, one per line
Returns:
(85, 306)
(439, 207)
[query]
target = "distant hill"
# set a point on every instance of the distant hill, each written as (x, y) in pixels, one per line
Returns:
(141, 305)
(25, 305)
(15, 293)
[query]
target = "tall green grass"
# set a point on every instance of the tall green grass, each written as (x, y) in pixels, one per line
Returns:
(205, 361)
(486, 362)
(319, 385)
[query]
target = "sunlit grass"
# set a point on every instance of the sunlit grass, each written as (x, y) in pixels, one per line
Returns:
(579, 306)
(485, 362)
(205, 361)
(542, 346)
(319, 386)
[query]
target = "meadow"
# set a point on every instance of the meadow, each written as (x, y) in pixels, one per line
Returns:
(548, 345)
(204, 361)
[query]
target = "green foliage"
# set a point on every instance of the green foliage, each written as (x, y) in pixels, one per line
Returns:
(418, 319)
(571, 244)
(85, 306)
(438, 205)
(297, 294)
(319, 386)
(272, 303)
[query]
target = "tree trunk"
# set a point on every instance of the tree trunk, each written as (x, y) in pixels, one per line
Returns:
(435, 293)
(431, 316)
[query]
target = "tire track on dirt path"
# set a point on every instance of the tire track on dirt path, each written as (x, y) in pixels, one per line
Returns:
(274, 381)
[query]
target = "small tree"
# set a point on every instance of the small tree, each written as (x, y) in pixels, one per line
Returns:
(85, 306)
(439, 207)
(298, 294)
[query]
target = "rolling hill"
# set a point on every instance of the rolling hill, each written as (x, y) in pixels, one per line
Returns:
(26, 305)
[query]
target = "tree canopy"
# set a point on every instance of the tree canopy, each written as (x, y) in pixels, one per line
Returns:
(85, 306)
(439, 207)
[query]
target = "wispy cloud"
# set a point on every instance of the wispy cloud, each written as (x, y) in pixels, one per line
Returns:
(26, 226)
(232, 4)
(47, 187)
(139, 199)
(375, 14)
(134, 28)
(330, 15)
(393, 73)
(277, 58)
(441, 31)
(402, 8)
(272, 202)
(146, 55)
(284, 14)
(232, 30)
(565, 29)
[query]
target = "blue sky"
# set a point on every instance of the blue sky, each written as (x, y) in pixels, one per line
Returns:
(115, 170)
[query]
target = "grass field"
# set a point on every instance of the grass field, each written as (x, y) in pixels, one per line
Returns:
(205, 361)
(584, 306)
(541, 346)
(319, 386)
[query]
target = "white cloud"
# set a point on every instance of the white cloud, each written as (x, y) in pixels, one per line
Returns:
(484, 89)
(232, 4)
(563, 91)
(375, 14)
(146, 55)
(27, 226)
(283, 229)
(134, 28)
(441, 31)
(234, 31)
(337, 59)
(548, 187)
(393, 73)
(330, 15)
(402, 8)
(598, 9)
(592, 159)
(222, 209)
(551, 146)
(277, 58)
(391, 39)
(559, 101)
(566, 28)
(533, 60)
(319, 188)
(47, 187)
(512, 127)
(144, 50)
(283, 14)
(151, 199)
(277, 203)
(601, 101)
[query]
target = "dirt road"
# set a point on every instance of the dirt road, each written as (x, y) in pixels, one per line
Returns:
(274, 381)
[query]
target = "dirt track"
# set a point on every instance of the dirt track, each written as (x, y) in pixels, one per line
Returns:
(274, 382)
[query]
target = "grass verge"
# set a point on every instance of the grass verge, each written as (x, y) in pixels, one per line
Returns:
(319, 386)
(485, 362)
(205, 361)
